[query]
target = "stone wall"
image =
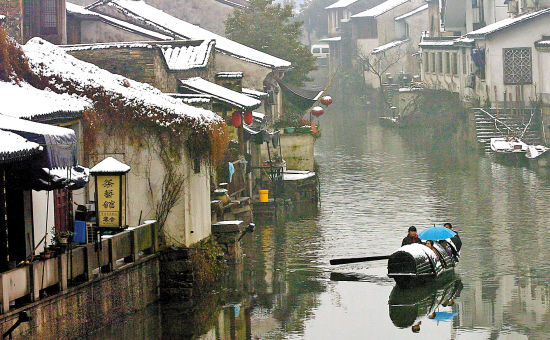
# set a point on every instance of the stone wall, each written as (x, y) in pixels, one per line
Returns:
(93, 305)
(141, 64)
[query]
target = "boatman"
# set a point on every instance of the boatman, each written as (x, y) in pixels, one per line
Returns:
(411, 238)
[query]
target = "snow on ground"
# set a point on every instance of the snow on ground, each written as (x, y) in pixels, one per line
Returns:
(50, 60)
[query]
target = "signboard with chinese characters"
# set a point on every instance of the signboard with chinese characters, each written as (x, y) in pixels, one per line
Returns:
(111, 194)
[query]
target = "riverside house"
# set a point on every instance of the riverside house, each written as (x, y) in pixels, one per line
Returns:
(260, 70)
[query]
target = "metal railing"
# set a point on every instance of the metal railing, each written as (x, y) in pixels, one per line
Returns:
(83, 261)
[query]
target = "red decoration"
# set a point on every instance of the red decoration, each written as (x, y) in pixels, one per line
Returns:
(317, 111)
(236, 119)
(326, 100)
(248, 117)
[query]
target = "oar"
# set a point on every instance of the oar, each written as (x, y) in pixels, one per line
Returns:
(359, 259)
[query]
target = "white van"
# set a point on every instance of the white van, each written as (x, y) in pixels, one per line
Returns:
(320, 50)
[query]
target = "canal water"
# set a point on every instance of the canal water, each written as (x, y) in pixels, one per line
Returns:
(376, 182)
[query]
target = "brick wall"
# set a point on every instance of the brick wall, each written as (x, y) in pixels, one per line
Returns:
(140, 64)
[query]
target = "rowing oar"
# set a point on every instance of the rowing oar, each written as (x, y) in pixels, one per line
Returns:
(359, 259)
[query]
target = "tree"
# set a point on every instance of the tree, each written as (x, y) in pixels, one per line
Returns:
(270, 28)
(315, 18)
(379, 64)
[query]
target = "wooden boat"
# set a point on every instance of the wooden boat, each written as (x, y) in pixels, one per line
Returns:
(416, 264)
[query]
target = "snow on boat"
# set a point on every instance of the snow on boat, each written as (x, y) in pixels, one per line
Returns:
(508, 145)
(511, 145)
(416, 264)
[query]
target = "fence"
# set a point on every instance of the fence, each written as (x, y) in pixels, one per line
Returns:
(83, 261)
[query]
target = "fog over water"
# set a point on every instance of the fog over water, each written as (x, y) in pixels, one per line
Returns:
(375, 183)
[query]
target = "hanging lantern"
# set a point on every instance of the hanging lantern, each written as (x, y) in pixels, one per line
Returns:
(236, 119)
(248, 117)
(317, 111)
(326, 100)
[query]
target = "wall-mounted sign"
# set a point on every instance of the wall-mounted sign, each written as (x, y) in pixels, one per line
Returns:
(110, 193)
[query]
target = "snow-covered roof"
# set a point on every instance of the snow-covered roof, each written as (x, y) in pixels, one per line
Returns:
(389, 45)
(155, 18)
(413, 12)
(51, 60)
(438, 43)
(73, 9)
(331, 39)
(221, 93)
(380, 9)
(24, 101)
(179, 58)
(341, 4)
(254, 93)
(14, 146)
(179, 55)
(10, 123)
(110, 165)
(234, 75)
(506, 23)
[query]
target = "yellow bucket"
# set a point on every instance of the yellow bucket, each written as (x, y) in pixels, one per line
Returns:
(264, 195)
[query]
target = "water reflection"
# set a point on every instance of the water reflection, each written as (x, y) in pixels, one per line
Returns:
(408, 306)
(375, 183)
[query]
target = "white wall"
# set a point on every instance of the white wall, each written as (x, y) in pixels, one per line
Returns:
(522, 35)
(42, 209)
(189, 220)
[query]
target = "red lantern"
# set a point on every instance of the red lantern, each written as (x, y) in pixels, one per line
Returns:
(326, 100)
(248, 117)
(317, 111)
(236, 119)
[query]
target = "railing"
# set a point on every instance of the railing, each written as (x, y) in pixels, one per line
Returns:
(84, 261)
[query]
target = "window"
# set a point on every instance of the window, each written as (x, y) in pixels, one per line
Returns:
(517, 66)
(325, 50)
(447, 62)
(440, 62)
(426, 62)
(455, 63)
(433, 63)
(48, 17)
(316, 50)
(464, 68)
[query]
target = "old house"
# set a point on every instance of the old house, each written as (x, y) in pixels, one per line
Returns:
(32, 18)
(38, 169)
(497, 64)
(339, 30)
(382, 36)
(260, 70)
(182, 173)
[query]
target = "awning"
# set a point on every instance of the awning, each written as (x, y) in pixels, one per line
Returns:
(60, 144)
(301, 98)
